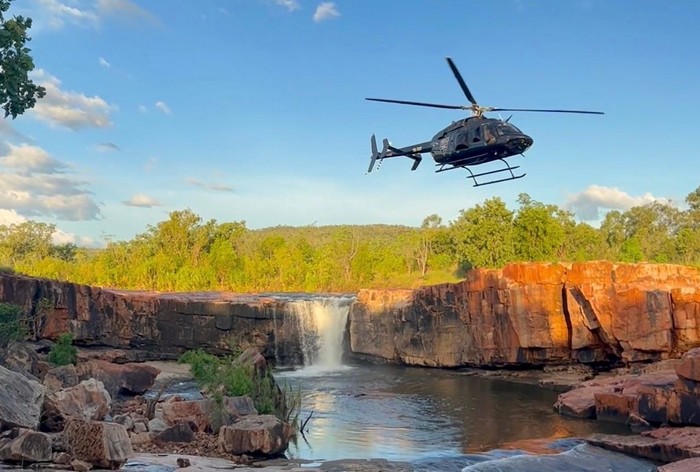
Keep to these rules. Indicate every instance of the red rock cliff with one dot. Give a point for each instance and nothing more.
(534, 314)
(158, 325)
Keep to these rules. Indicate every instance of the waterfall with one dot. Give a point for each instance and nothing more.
(321, 326)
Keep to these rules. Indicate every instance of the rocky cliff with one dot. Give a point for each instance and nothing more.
(151, 325)
(534, 314)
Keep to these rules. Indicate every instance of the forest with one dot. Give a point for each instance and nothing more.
(186, 253)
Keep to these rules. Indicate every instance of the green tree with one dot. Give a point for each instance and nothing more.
(483, 235)
(17, 91)
(539, 230)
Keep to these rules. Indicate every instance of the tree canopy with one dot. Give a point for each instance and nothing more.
(18, 92)
(185, 252)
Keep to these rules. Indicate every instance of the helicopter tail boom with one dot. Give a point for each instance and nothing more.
(412, 152)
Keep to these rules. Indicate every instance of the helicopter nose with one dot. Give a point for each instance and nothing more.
(520, 143)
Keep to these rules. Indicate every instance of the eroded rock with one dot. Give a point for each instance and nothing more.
(27, 446)
(255, 435)
(98, 443)
(663, 444)
(132, 379)
(88, 400)
(20, 400)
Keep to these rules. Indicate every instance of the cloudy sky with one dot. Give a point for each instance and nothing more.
(254, 109)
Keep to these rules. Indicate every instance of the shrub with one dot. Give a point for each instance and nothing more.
(11, 325)
(63, 352)
(227, 377)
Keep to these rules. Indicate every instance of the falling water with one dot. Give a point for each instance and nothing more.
(321, 326)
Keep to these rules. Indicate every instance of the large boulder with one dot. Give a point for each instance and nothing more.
(663, 444)
(202, 413)
(61, 377)
(88, 400)
(27, 446)
(20, 400)
(101, 444)
(131, 379)
(21, 357)
(689, 366)
(255, 435)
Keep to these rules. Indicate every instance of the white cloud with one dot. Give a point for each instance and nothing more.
(210, 186)
(69, 109)
(162, 106)
(143, 108)
(107, 147)
(326, 11)
(10, 217)
(88, 12)
(103, 62)
(58, 13)
(33, 183)
(587, 204)
(224, 11)
(28, 159)
(290, 5)
(141, 200)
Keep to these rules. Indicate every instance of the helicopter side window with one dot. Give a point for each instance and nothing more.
(477, 135)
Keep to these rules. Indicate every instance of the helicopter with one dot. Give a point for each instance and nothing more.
(471, 141)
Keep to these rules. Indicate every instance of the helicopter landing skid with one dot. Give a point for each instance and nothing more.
(473, 176)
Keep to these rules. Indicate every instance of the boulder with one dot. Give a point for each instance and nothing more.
(20, 400)
(689, 366)
(686, 465)
(201, 412)
(180, 433)
(21, 357)
(131, 379)
(61, 377)
(88, 400)
(101, 444)
(663, 444)
(255, 435)
(27, 446)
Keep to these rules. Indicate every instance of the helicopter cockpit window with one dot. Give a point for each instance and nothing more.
(504, 129)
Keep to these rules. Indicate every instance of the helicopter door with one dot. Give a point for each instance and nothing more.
(475, 137)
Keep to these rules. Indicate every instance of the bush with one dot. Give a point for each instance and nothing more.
(11, 325)
(63, 352)
(227, 377)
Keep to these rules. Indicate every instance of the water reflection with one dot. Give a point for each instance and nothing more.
(411, 413)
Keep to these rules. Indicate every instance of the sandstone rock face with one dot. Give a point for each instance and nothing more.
(21, 400)
(28, 446)
(654, 398)
(534, 314)
(157, 325)
(101, 444)
(663, 445)
(88, 400)
(258, 434)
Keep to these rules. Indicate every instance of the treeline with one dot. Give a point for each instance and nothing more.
(186, 253)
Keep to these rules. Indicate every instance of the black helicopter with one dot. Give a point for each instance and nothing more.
(469, 142)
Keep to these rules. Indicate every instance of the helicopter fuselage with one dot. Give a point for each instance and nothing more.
(478, 140)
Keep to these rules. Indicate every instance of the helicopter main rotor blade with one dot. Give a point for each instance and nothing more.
(547, 111)
(422, 104)
(461, 81)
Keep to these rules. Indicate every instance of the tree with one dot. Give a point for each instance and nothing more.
(17, 91)
(483, 235)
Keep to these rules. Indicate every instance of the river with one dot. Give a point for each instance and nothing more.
(442, 419)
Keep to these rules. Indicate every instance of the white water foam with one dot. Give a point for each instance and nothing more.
(321, 325)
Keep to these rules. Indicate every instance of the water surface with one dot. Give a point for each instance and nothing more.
(409, 413)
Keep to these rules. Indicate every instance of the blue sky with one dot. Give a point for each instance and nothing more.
(254, 109)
